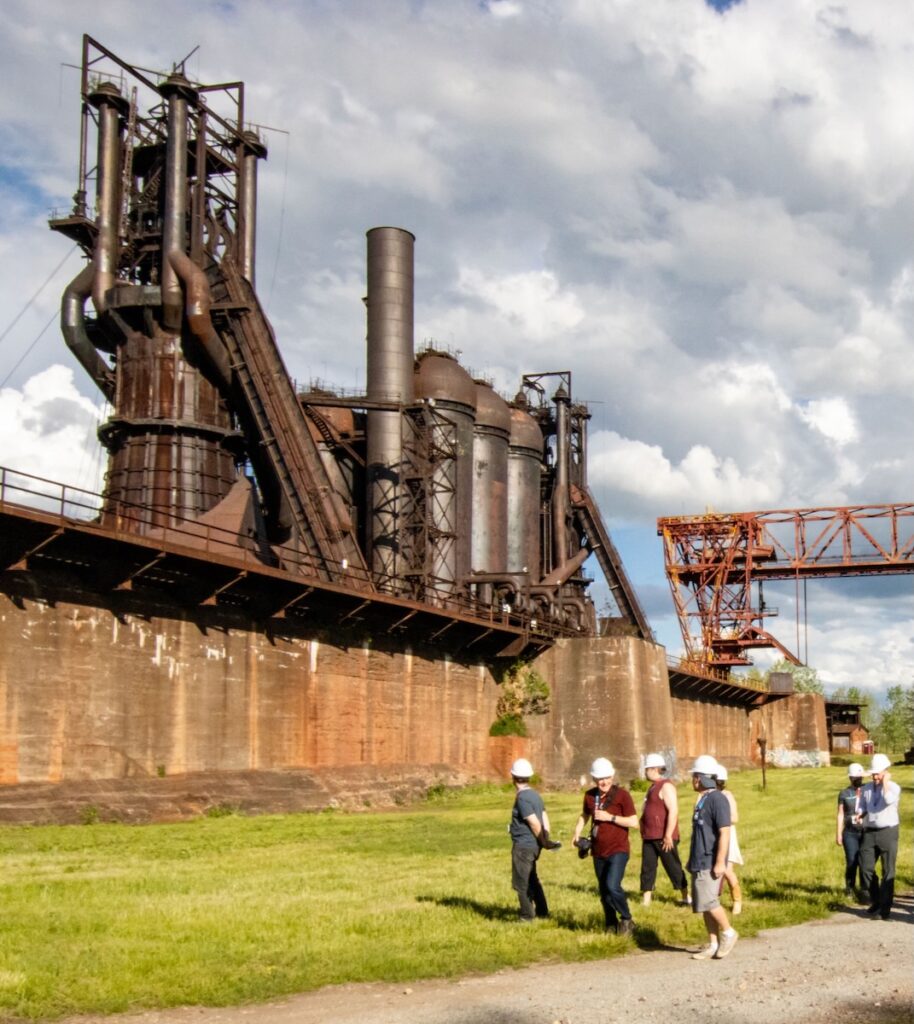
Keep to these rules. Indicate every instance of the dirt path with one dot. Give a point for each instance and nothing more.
(848, 968)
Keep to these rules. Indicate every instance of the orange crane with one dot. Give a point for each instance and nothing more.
(713, 560)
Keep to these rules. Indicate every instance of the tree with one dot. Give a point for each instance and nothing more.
(895, 729)
(805, 679)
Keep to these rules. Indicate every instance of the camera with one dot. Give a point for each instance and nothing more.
(584, 844)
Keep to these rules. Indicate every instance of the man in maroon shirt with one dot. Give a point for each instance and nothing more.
(612, 812)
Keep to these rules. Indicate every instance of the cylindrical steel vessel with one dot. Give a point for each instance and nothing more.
(390, 379)
(170, 437)
(107, 98)
(525, 460)
(489, 534)
(178, 92)
(441, 379)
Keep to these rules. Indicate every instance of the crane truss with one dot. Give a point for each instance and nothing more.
(713, 560)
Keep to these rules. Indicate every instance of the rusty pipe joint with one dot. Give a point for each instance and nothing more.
(73, 329)
(179, 94)
(197, 306)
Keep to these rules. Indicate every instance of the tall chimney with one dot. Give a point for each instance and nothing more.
(390, 379)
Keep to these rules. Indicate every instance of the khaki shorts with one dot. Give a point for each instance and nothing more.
(705, 891)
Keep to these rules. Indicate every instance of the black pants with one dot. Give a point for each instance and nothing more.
(651, 852)
(879, 844)
(526, 883)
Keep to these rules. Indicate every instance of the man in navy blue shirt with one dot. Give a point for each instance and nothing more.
(529, 834)
(848, 834)
(708, 858)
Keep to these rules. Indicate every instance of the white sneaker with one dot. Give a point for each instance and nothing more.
(727, 942)
(645, 899)
(706, 952)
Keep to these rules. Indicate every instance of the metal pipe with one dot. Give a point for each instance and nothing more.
(107, 98)
(198, 303)
(73, 328)
(562, 572)
(560, 494)
(389, 303)
(250, 151)
(178, 91)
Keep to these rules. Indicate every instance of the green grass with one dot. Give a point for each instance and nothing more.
(224, 910)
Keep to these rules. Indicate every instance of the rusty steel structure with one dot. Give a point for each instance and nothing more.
(717, 564)
(428, 492)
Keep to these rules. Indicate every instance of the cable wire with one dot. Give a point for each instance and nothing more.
(41, 288)
(22, 358)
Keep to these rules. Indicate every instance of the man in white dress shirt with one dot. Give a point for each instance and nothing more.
(879, 818)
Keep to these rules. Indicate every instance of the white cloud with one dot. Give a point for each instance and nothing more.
(531, 302)
(640, 473)
(833, 418)
(49, 428)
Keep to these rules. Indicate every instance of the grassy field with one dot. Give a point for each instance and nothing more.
(226, 910)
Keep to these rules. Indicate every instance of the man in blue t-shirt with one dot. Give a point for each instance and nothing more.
(708, 858)
(529, 834)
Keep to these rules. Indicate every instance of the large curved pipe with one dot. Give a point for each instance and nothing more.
(198, 302)
(108, 100)
(73, 329)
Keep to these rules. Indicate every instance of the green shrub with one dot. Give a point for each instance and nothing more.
(508, 725)
(524, 692)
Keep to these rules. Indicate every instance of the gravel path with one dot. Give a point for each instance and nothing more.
(847, 968)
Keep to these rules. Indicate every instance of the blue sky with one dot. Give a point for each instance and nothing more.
(700, 213)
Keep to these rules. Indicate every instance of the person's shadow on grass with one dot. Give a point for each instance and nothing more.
(644, 937)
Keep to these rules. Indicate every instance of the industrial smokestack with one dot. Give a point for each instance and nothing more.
(178, 92)
(110, 104)
(390, 379)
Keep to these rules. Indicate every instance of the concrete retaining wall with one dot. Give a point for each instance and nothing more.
(611, 698)
(85, 694)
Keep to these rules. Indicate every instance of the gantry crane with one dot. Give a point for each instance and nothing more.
(713, 560)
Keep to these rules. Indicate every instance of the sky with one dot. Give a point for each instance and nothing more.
(704, 211)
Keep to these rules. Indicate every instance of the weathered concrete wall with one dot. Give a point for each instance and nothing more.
(795, 730)
(91, 693)
(86, 694)
(611, 698)
(702, 726)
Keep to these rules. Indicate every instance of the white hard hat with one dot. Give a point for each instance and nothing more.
(880, 763)
(705, 765)
(602, 768)
(522, 769)
(654, 761)
(722, 775)
(855, 771)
